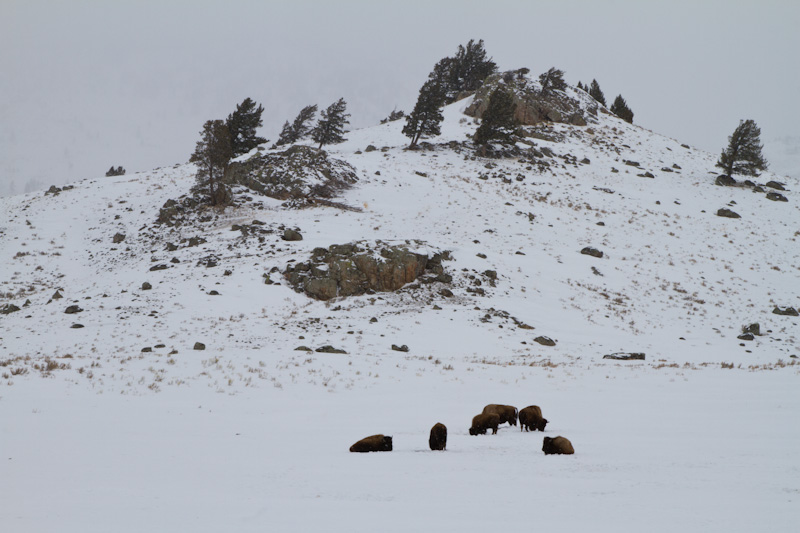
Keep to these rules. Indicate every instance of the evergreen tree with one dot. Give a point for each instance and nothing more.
(497, 122)
(580, 86)
(621, 109)
(212, 155)
(299, 128)
(330, 127)
(242, 125)
(424, 120)
(394, 115)
(552, 80)
(596, 93)
(464, 72)
(119, 171)
(743, 154)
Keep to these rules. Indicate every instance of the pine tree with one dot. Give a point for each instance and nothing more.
(299, 128)
(330, 127)
(596, 93)
(424, 120)
(464, 72)
(552, 80)
(580, 86)
(212, 155)
(743, 154)
(119, 171)
(497, 122)
(394, 115)
(242, 125)
(621, 109)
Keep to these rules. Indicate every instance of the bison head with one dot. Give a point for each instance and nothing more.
(540, 426)
(387, 444)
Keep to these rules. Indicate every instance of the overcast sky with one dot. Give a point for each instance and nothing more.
(87, 84)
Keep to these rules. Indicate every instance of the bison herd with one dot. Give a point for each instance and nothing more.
(530, 419)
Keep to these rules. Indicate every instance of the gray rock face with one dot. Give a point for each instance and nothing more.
(299, 172)
(532, 106)
(351, 269)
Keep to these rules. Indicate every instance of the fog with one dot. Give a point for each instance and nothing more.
(85, 85)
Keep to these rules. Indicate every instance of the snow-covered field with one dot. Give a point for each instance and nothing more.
(252, 435)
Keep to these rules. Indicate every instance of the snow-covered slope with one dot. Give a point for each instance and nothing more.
(675, 281)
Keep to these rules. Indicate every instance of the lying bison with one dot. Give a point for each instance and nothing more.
(507, 413)
(438, 438)
(484, 421)
(530, 419)
(558, 445)
(375, 443)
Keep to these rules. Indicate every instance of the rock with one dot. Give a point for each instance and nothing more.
(213, 293)
(303, 349)
(491, 274)
(118, 238)
(753, 328)
(27, 303)
(776, 185)
(175, 260)
(397, 348)
(291, 235)
(594, 252)
(646, 175)
(8, 309)
(423, 174)
(199, 346)
(329, 349)
(746, 337)
(545, 341)
(447, 293)
(147, 349)
(72, 309)
(786, 311)
(171, 247)
(57, 296)
(631, 163)
(370, 148)
(146, 286)
(76, 326)
(725, 181)
(531, 106)
(195, 241)
(53, 190)
(622, 356)
(776, 197)
(348, 269)
(727, 213)
(157, 346)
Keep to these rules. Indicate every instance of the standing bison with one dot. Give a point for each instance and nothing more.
(557, 445)
(438, 438)
(507, 413)
(375, 443)
(484, 421)
(530, 419)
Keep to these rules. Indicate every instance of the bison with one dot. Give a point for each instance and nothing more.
(438, 438)
(530, 419)
(484, 421)
(507, 413)
(557, 445)
(375, 443)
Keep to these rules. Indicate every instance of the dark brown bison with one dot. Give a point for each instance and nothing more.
(557, 445)
(438, 438)
(375, 443)
(484, 421)
(507, 413)
(531, 419)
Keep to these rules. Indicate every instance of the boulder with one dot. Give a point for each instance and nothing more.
(8, 309)
(545, 341)
(291, 235)
(199, 346)
(776, 185)
(727, 213)
(329, 349)
(118, 238)
(350, 269)
(785, 311)
(776, 197)
(594, 252)
(724, 181)
(72, 309)
(146, 286)
(754, 328)
(622, 356)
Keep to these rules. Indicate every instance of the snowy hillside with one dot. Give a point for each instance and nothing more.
(112, 418)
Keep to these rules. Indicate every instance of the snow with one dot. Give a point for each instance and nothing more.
(251, 434)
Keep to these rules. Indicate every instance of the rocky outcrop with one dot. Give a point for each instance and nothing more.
(534, 107)
(299, 172)
(352, 269)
